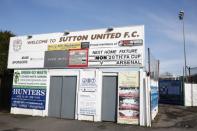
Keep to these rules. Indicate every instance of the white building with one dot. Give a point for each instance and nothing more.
(96, 75)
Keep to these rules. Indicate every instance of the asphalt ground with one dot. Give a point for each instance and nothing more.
(172, 118)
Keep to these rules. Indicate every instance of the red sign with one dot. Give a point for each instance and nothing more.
(78, 58)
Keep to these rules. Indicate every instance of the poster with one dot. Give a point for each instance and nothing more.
(128, 94)
(87, 99)
(29, 89)
(87, 103)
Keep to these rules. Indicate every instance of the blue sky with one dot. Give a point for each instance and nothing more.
(163, 29)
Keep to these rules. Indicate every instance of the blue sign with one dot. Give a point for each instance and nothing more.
(154, 97)
(29, 98)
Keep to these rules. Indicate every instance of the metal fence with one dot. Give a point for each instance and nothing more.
(152, 65)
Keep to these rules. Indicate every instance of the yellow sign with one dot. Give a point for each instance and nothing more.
(129, 79)
(65, 46)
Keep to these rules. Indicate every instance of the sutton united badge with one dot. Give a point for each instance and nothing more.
(17, 44)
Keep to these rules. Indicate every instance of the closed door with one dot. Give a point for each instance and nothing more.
(62, 96)
(68, 97)
(55, 96)
(109, 98)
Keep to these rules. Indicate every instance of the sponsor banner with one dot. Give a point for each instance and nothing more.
(28, 98)
(56, 59)
(29, 89)
(154, 100)
(125, 56)
(78, 58)
(128, 94)
(65, 46)
(124, 37)
(87, 93)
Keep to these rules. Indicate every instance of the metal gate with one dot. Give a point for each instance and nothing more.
(170, 92)
(109, 98)
(62, 96)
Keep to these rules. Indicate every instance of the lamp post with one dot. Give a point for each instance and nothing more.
(181, 17)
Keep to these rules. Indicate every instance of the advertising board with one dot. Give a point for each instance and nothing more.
(128, 95)
(78, 58)
(29, 89)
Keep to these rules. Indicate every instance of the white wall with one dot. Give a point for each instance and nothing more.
(145, 112)
(145, 115)
(190, 94)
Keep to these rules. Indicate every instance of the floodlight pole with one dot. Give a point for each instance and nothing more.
(181, 17)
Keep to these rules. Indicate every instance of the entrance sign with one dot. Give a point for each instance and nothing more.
(118, 48)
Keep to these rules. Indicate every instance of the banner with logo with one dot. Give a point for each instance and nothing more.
(128, 93)
(87, 93)
(29, 89)
(120, 47)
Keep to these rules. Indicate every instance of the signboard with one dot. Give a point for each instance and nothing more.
(78, 58)
(88, 82)
(120, 47)
(154, 98)
(87, 103)
(115, 57)
(29, 89)
(56, 59)
(128, 93)
(87, 93)
(27, 59)
(66, 46)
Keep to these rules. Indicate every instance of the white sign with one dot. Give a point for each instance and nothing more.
(30, 78)
(24, 60)
(93, 40)
(87, 93)
(88, 82)
(87, 103)
(124, 56)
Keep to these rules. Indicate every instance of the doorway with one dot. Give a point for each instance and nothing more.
(109, 98)
(62, 96)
